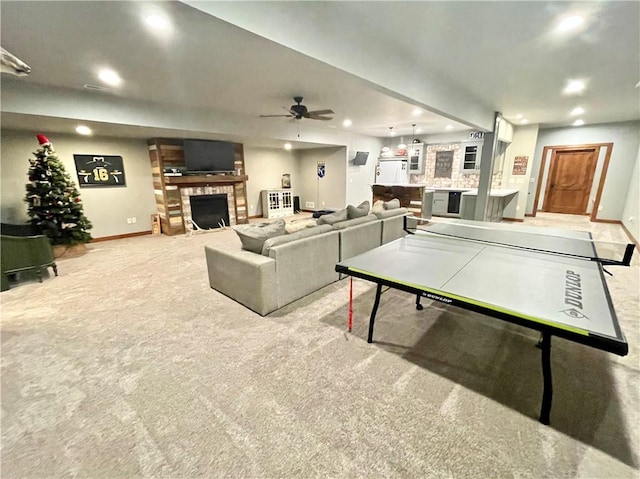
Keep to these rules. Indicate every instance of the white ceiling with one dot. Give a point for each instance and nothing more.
(371, 62)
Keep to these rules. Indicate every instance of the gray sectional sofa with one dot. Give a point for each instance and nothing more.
(291, 266)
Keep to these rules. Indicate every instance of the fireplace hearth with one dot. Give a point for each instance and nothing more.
(209, 211)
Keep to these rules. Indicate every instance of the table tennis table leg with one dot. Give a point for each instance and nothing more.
(372, 319)
(547, 394)
(418, 305)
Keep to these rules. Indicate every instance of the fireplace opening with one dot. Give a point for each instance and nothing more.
(209, 211)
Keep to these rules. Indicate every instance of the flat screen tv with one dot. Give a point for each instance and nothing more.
(208, 156)
(361, 158)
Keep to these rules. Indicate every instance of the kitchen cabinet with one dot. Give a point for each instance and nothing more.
(440, 203)
(416, 153)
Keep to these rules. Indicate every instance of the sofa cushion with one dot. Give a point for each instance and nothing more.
(389, 213)
(355, 221)
(333, 217)
(298, 225)
(392, 204)
(305, 233)
(254, 235)
(358, 211)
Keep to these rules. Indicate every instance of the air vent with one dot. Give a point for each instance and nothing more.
(98, 88)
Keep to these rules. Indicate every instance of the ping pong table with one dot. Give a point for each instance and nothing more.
(549, 280)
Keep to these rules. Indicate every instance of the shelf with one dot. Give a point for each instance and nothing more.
(206, 179)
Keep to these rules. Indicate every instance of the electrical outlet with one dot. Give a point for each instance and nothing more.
(323, 203)
(134, 220)
(309, 204)
(599, 208)
(129, 220)
(251, 207)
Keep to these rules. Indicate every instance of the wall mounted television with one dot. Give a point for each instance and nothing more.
(361, 158)
(209, 156)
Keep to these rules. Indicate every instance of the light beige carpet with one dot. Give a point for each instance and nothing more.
(129, 365)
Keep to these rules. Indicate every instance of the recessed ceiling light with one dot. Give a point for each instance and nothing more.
(83, 130)
(110, 77)
(577, 111)
(157, 21)
(346, 123)
(578, 122)
(570, 23)
(448, 127)
(287, 146)
(524, 121)
(573, 87)
(519, 116)
(417, 112)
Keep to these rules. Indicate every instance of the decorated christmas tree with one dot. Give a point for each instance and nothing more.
(54, 204)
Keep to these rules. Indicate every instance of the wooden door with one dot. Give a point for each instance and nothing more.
(570, 179)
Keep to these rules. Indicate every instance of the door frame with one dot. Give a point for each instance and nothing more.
(603, 173)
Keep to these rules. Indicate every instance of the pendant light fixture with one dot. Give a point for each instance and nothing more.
(413, 139)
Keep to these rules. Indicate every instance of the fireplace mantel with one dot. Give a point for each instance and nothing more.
(204, 180)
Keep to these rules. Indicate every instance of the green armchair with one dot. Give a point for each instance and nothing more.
(22, 248)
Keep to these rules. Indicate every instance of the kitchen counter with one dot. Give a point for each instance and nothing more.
(498, 201)
(496, 193)
(417, 198)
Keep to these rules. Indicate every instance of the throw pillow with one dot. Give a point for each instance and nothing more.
(298, 225)
(358, 211)
(333, 217)
(392, 204)
(253, 236)
(377, 207)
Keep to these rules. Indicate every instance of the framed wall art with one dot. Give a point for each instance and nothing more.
(100, 170)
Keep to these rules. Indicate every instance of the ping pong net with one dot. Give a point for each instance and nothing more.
(577, 244)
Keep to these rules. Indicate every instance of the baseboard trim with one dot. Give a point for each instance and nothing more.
(115, 237)
(519, 220)
(630, 236)
(618, 222)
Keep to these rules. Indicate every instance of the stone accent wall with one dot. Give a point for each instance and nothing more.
(458, 178)
(185, 193)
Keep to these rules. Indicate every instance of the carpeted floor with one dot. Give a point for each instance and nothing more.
(129, 365)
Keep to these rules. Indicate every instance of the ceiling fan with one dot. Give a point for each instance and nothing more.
(300, 111)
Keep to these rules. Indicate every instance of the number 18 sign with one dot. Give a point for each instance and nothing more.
(104, 170)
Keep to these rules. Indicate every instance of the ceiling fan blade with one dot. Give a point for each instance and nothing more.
(275, 116)
(320, 112)
(316, 117)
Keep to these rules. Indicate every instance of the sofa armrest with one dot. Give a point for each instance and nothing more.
(393, 225)
(246, 277)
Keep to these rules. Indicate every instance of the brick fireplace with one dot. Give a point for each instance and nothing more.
(187, 193)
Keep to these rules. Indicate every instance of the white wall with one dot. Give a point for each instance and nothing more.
(329, 191)
(106, 207)
(625, 137)
(523, 144)
(360, 178)
(265, 167)
(631, 213)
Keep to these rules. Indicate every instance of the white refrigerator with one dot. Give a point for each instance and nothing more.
(392, 171)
